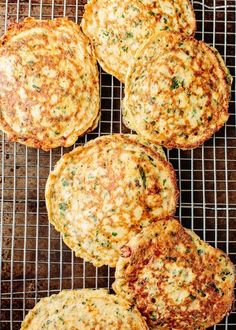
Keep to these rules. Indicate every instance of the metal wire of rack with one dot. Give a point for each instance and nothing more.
(34, 262)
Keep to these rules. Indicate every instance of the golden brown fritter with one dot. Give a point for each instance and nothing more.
(102, 194)
(176, 280)
(49, 89)
(177, 91)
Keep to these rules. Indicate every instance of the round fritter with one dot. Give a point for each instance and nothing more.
(102, 194)
(49, 88)
(176, 280)
(177, 91)
(117, 28)
(81, 310)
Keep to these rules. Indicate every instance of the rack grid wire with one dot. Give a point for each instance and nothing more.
(34, 262)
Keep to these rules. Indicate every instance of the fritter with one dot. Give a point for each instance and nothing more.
(103, 193)
(49, 88)
(176, 280)
(177, 91)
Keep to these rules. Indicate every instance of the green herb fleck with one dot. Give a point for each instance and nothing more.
(36, 87)
(62, 206)
(165, 20)
(129, 34)
(134, 8)
(153, 317)
(125, 49)
(209, 118)
(105, 244)
(176, 83)
(152, 161)
(137, 23)
(225, 273)
(143, 176)
(171, 258)
(153, 100)
(61, 319)
(65, 183)
(229, 79)
(114, 234)
(200, 251)
(192, 297)
(95, 219)
(105, 33)
(150, 12)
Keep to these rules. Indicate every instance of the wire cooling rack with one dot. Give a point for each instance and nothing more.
(34, 262)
